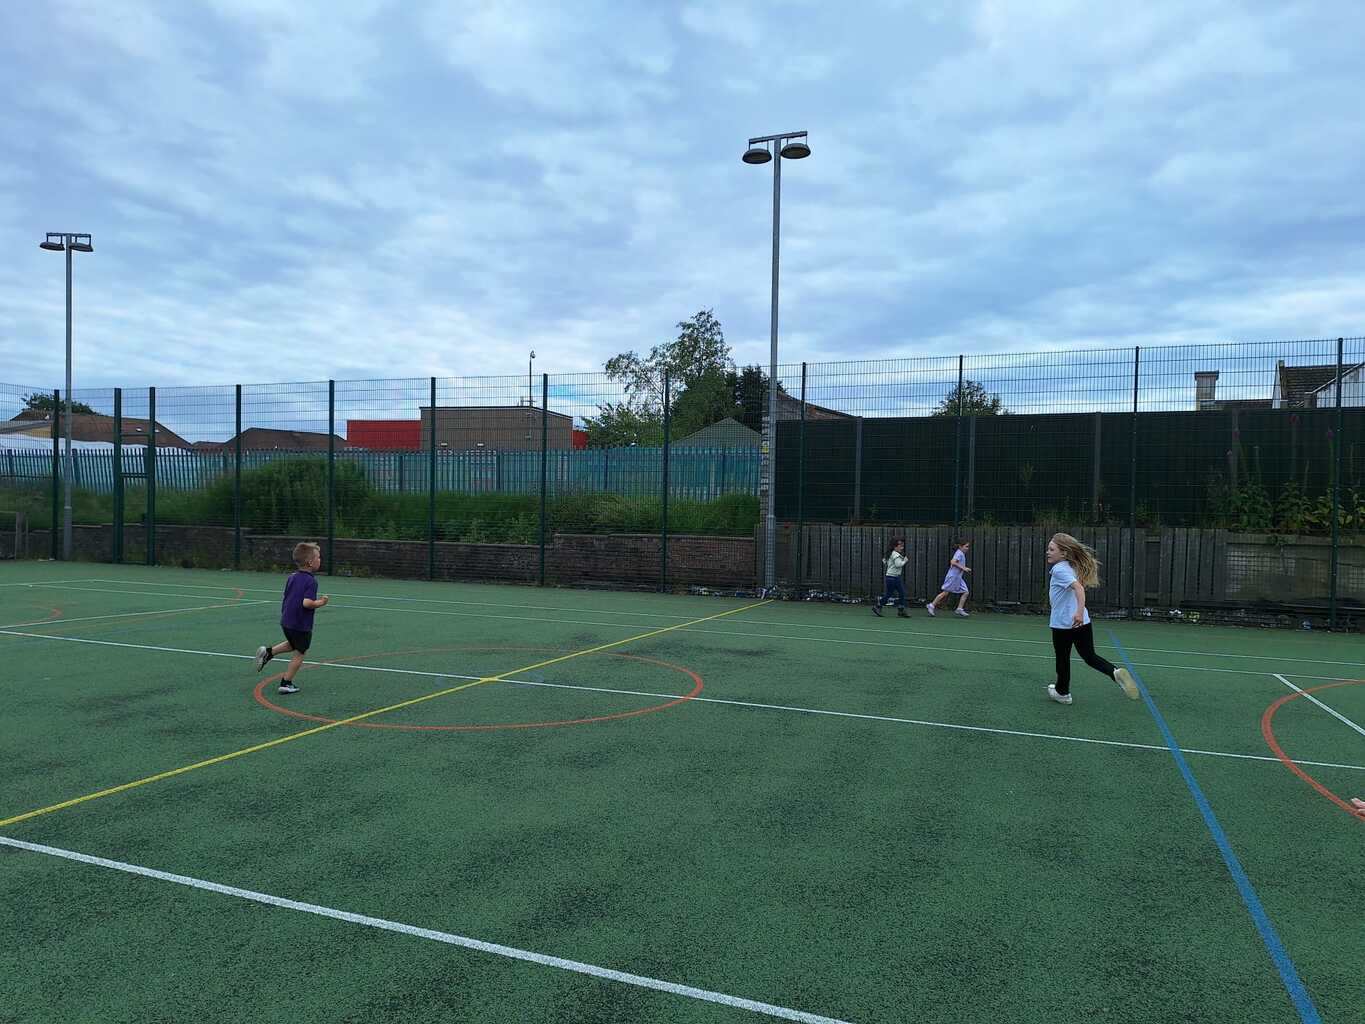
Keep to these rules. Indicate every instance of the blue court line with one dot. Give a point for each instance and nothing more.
(1303, 1002)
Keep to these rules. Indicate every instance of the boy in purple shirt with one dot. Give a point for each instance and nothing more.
(296, 614)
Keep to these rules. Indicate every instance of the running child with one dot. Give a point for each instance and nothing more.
(954, 582)
(296, 614)
(894, 565)
(1073, 568)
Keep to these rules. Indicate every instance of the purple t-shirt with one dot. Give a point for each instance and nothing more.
(293, 615)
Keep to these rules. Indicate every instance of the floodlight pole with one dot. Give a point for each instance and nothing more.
(779, 143)
(69, 242)
(67, 468)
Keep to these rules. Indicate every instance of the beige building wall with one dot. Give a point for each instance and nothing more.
(495, 428)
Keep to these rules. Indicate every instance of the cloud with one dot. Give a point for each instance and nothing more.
(380, 189)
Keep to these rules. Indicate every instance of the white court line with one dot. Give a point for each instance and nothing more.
(124, 615)
(1160, 748)
(760, 636)
(146, 593)
(54, 583)
(674, 696)
(510, 952)
(1309, 696)
(938, 648)
(406, 600)
(1297, 659)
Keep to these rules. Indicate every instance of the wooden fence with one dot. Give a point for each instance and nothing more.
(1164, 568)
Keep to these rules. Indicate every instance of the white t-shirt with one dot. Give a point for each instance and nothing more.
(1060, 578)
(894, 562)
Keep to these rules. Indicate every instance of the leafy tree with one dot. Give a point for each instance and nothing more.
(704, 386)
(975, 399)
(620, 424)
(698, 350)
(750, 386)
(45, 403)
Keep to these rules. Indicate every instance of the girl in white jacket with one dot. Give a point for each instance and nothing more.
(894, 564)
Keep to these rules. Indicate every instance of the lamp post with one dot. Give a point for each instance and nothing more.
(788, 146)
(64, 241)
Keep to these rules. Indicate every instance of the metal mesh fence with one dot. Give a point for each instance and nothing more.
(1226, 475)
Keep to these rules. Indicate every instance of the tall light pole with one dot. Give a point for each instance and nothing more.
(789, 146)
(64, 241)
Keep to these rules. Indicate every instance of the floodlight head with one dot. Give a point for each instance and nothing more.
(82, 247)
(796, 149)
(52, 246)
(757, 155)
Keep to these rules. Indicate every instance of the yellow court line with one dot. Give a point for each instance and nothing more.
(367, 714)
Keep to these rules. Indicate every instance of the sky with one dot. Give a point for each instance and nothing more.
(358, 189)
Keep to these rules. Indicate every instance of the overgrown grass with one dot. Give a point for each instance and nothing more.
(290, 497)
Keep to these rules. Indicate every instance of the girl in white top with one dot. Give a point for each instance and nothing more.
(1073, 567)
(894, 589)
(954, 582)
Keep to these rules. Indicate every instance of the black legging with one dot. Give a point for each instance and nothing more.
(1083, 639)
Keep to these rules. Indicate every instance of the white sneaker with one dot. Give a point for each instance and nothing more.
(1060, 698)
(262, 656)
(1125, 679)
(930, 609)
(960, 611)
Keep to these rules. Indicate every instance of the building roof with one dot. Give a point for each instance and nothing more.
(789, 408)
(447, 411)
(268, 438)
(726, 433)
(97, 427)
(1298, 382)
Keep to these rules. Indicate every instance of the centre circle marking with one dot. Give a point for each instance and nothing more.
(266, 702)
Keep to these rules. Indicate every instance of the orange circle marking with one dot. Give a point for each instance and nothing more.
(1269, 733)
(264, 701)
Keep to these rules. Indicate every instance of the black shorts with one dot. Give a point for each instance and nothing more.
(298, 639)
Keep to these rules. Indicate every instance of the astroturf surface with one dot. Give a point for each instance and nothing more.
(831, 816)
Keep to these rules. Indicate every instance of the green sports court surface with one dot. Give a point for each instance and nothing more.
(507, 804)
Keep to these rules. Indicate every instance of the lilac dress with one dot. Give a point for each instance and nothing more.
(954, 582)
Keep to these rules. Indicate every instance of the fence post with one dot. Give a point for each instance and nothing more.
(1098, 454)
(151, 476)
(1337, 449)
(957, 452)
(663, 522)
(971, 466)
(1132, 489)
(431, 488)
(331, 476)
(544, 462)
(117, 546)
(56, 469)
(237, 486)
(857, 473)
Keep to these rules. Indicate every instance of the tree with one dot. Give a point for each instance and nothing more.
(45, 403)
(621, 424)
(704, 388)
(750, 386)
(975, 399)
(698, 350)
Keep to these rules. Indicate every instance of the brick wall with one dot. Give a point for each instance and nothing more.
(622, 560)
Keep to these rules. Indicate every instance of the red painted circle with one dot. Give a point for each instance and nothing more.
(1268, 732)
(264, 701)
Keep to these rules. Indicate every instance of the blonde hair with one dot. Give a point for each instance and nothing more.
(1082, 558)
(303, 550)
